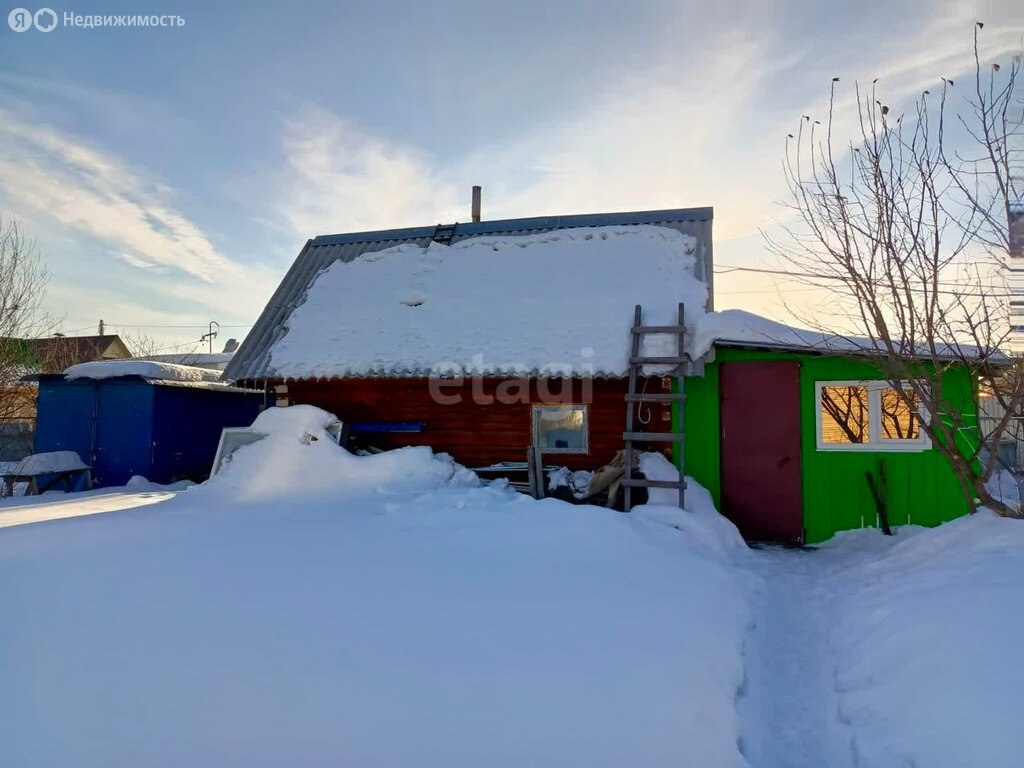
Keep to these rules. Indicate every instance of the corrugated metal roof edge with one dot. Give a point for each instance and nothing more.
(244, 356)
(213, 386)
(466, 375)
(819, 351)
(470, 229)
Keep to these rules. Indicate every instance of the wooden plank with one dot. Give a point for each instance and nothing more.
(655, 397)
(657, 329)
(681, 382)
(531, 472)
(538, 472)
(368, 427)
(664, 360)
(643, 482)
(651, 437)
(630, 406)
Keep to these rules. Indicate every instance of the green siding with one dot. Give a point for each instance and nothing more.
(922, 488)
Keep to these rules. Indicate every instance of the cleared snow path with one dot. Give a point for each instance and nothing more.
(789, 708)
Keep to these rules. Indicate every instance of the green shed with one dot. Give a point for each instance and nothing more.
(785, 438)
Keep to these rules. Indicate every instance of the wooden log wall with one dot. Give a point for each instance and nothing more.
(482, 421)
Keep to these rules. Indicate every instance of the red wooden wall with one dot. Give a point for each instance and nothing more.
(478, 429)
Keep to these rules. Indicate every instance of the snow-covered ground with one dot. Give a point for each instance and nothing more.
(890, 652)
(308, 607)
(399, 614)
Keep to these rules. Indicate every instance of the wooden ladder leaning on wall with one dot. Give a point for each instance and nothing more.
(630, 436)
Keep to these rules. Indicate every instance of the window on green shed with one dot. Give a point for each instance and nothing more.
(868, 415)
(844, 415)
(899, 414)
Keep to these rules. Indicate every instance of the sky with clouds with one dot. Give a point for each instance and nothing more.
(170, 175)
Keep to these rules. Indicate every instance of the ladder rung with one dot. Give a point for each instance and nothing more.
(658, 360)
(643, 482)
(655, 397)
(659, 329)
(643, 437)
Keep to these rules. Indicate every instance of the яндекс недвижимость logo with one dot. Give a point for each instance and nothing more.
(46, 20)
(22, 19)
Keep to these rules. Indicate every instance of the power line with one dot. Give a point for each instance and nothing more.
(768, 290)
(76, 330)
(811, 276)
(177, 346)
(155, 325)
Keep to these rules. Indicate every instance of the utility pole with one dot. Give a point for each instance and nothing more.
(211, 334)
(102, 327)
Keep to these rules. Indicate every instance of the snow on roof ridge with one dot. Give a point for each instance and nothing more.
(558, 302)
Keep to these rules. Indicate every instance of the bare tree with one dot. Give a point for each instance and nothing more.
(22, 285)
(909, 228)
(142, 345)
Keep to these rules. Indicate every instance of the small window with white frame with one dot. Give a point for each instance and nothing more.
(561, 428)
(868, 416)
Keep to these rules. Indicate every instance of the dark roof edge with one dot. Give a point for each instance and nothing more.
(534, 222)
(816, 351)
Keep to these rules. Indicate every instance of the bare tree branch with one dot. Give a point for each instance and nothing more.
(909, 236)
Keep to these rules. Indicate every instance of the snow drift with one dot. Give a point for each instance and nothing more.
(928, 666)
(298, 458)
(393, 616)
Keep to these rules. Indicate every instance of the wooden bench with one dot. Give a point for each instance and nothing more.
(59, 466)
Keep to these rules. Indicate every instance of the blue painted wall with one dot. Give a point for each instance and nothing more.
(129, 426)
(124, 430)
(187, 423)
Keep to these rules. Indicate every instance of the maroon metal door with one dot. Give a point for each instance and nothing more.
(761, 478)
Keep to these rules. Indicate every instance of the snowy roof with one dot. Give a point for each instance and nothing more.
(147, 369)
(734, 327)
(563, 302)
(559, 302)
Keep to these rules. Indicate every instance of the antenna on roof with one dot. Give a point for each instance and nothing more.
(476, 202)
(211, 335)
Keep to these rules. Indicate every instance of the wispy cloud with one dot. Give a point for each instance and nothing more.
(96, 193)
(656, 138)
(704, 122)
(338, 178)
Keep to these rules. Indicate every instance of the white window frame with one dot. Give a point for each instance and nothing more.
(876, 443)
(535, 410)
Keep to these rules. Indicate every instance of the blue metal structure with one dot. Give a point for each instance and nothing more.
(124, 426)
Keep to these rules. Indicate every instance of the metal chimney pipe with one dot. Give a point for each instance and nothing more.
(476, 203)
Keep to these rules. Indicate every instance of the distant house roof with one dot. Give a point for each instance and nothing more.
(55, 353)
(254, 359)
